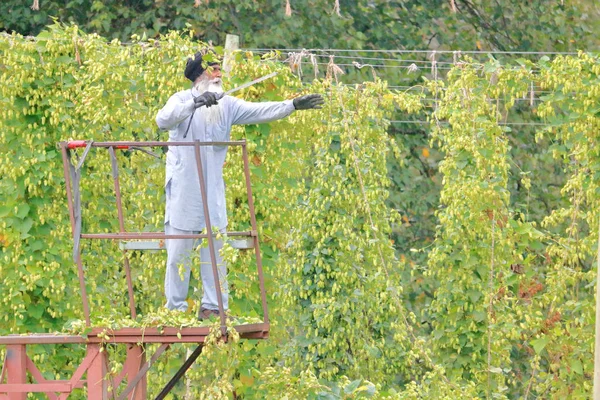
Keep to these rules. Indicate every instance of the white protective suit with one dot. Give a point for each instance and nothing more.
(184, 209)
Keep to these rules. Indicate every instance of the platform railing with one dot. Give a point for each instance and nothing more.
(72, 178)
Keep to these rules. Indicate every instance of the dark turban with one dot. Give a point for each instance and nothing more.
(194, 67)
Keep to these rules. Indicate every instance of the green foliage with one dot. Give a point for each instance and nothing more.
(479, 237)
(500, 304)
(496, 315)
(341, 260)
(381, 24)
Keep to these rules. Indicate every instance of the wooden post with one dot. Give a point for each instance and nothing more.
(97, 384)
(597, 342)
(16, 369)
(232, 43)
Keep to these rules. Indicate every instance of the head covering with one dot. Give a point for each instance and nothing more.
(194, 67)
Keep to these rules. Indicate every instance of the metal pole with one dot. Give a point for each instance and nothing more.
(211, 245)
(153, 235)
(597, 342)
(142, 372)
(84, 298)
(136, 358)
(115, 173)
(97, 385)
(261, 278)
(125, 145)
(186, 365)
(16, 365)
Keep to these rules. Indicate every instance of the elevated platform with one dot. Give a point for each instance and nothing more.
(167, 335)
(18, 365)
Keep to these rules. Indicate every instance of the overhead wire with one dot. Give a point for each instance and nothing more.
(422, 122)
(377, 66)
(404, 51)
(436, 64)
(386, 51)
(381, 59)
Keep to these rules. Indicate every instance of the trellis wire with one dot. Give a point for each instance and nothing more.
(403, 51)
(385, 51)
(419, 122)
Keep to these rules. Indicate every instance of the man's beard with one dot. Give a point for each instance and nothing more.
(212, 114)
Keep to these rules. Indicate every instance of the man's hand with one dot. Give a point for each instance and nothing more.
(207, 99)
(309, 102)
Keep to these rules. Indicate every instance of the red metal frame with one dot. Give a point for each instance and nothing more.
(17, 364)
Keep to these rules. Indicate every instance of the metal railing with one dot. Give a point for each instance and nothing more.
(72, 177)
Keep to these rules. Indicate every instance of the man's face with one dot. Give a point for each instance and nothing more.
(210, 80)
(212, 74)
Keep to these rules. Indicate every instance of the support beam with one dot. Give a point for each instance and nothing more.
(142, 372)
(186, 365)
(597, 341)
(3, 373)
(37, 375)
(16, 369)
(96, 383)
(136, 358)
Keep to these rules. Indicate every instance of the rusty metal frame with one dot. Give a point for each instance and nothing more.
(142, 372)
(124, 235)
(17, 364)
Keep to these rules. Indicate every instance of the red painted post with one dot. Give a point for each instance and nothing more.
(136, 357)
(16, 368)
(97, 384)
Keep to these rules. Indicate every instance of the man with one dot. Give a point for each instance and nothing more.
(203, 113)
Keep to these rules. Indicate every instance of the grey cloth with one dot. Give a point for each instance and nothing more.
(180, 252)
(184, 207)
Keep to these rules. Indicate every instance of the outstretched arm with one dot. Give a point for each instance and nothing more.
(245, 112)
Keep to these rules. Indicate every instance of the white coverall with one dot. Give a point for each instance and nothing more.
(184, 211)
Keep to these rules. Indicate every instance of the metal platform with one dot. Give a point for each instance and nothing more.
(135, 335)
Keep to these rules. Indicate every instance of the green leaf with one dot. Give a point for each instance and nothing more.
(540, 344)
(25, 227)
(352, 386)
(36, 310)
(4, 210)
(576, 366)
(479, 315)
(474, 295)
(23, 210)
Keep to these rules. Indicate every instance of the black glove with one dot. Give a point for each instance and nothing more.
(309, 102)
(207, 99)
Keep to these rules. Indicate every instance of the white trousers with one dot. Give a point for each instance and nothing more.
(180, 252)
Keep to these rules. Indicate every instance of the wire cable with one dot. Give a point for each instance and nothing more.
(421, 122)
(403, 51)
